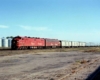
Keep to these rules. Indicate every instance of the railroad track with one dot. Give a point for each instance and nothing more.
(19, 49)
(5, 52)
(8, 49)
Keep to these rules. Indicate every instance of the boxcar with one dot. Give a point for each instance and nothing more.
(82, 44)
(73, 44)
(77, 44)
(65, 43)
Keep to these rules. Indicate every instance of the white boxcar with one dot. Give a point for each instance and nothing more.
(0, 42)
(70, 43)
(78, 43)
(82, 44)
(65, 43)
(5, 43)
(74, 44)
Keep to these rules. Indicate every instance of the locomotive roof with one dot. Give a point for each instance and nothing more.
(34, 37)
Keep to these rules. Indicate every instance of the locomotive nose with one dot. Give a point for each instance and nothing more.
(14, 44)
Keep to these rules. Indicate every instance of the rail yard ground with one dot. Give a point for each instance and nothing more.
(49, 64)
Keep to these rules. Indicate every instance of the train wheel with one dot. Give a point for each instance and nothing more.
(25, 47)
(20, 48)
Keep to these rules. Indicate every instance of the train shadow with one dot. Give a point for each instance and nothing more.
(94, 75)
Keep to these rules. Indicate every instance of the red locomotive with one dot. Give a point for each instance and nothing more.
(33, 42)
(52, 43)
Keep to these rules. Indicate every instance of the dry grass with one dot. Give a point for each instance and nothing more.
(92, 49)
(82, 49)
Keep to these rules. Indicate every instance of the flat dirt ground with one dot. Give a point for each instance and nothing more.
(71, 65)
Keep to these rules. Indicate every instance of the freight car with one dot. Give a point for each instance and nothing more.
(66, 44)
(19, 42)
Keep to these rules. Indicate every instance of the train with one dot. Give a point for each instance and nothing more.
(20, 43)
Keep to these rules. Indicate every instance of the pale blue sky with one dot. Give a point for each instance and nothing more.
(76, 20)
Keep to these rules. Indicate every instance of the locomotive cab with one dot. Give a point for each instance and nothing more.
(15, 42)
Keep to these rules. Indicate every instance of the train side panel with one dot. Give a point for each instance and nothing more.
(65, 43)
(52, 43)
(27, 42)
(40, 43)
(73, 43)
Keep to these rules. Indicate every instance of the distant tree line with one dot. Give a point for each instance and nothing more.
(10, 37)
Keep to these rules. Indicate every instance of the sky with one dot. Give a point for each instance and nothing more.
(75, 20)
